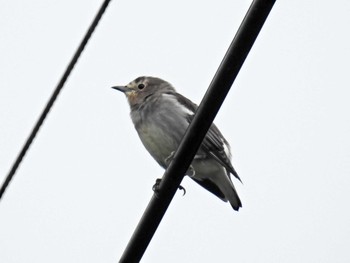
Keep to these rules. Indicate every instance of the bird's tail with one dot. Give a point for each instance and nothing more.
(227, 188)
(218, 182)
(232, 196)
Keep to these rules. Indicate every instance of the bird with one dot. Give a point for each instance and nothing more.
(161, 116)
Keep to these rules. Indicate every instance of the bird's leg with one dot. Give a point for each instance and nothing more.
(190, 172)
(167, 161)
(156, 187)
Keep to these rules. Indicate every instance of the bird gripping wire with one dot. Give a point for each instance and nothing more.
(207, 110)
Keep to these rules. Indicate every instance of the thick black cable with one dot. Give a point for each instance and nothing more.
(207, 110)
(53, 97)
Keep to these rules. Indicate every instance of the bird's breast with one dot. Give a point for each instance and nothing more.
(160, 131)
(158, 140)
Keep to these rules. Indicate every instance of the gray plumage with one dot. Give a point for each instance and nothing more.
(161, 117)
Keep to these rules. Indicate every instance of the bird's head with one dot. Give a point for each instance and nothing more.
(138, 90)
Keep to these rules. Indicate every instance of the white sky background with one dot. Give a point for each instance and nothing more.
(87, 179)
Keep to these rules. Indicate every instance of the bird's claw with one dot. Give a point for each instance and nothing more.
(183, 189)
(169, 158)
(156, 187)
(191, 172)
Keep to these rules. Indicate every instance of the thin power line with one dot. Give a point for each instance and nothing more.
(53, 97)
(207, 110)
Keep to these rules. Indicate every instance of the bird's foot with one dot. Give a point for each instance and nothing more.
(191, 172)
(169, 158)
(156, 187)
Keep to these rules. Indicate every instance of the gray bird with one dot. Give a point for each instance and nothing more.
(161, 117)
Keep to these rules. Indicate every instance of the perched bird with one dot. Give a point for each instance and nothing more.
(161, 117)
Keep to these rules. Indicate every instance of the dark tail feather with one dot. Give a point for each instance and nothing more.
(234, 200)
(231, 194)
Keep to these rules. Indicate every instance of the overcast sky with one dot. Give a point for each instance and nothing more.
(87, 179)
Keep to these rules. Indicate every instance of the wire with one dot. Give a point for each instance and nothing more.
(206, 112)
(53, 97)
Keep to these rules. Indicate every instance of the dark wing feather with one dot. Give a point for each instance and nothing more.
(213, 143)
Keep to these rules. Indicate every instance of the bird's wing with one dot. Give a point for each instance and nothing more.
(218, 148)
(214, 143)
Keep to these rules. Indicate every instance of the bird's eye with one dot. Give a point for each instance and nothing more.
(141, 86)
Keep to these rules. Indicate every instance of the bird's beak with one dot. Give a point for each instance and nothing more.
(121, 88)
